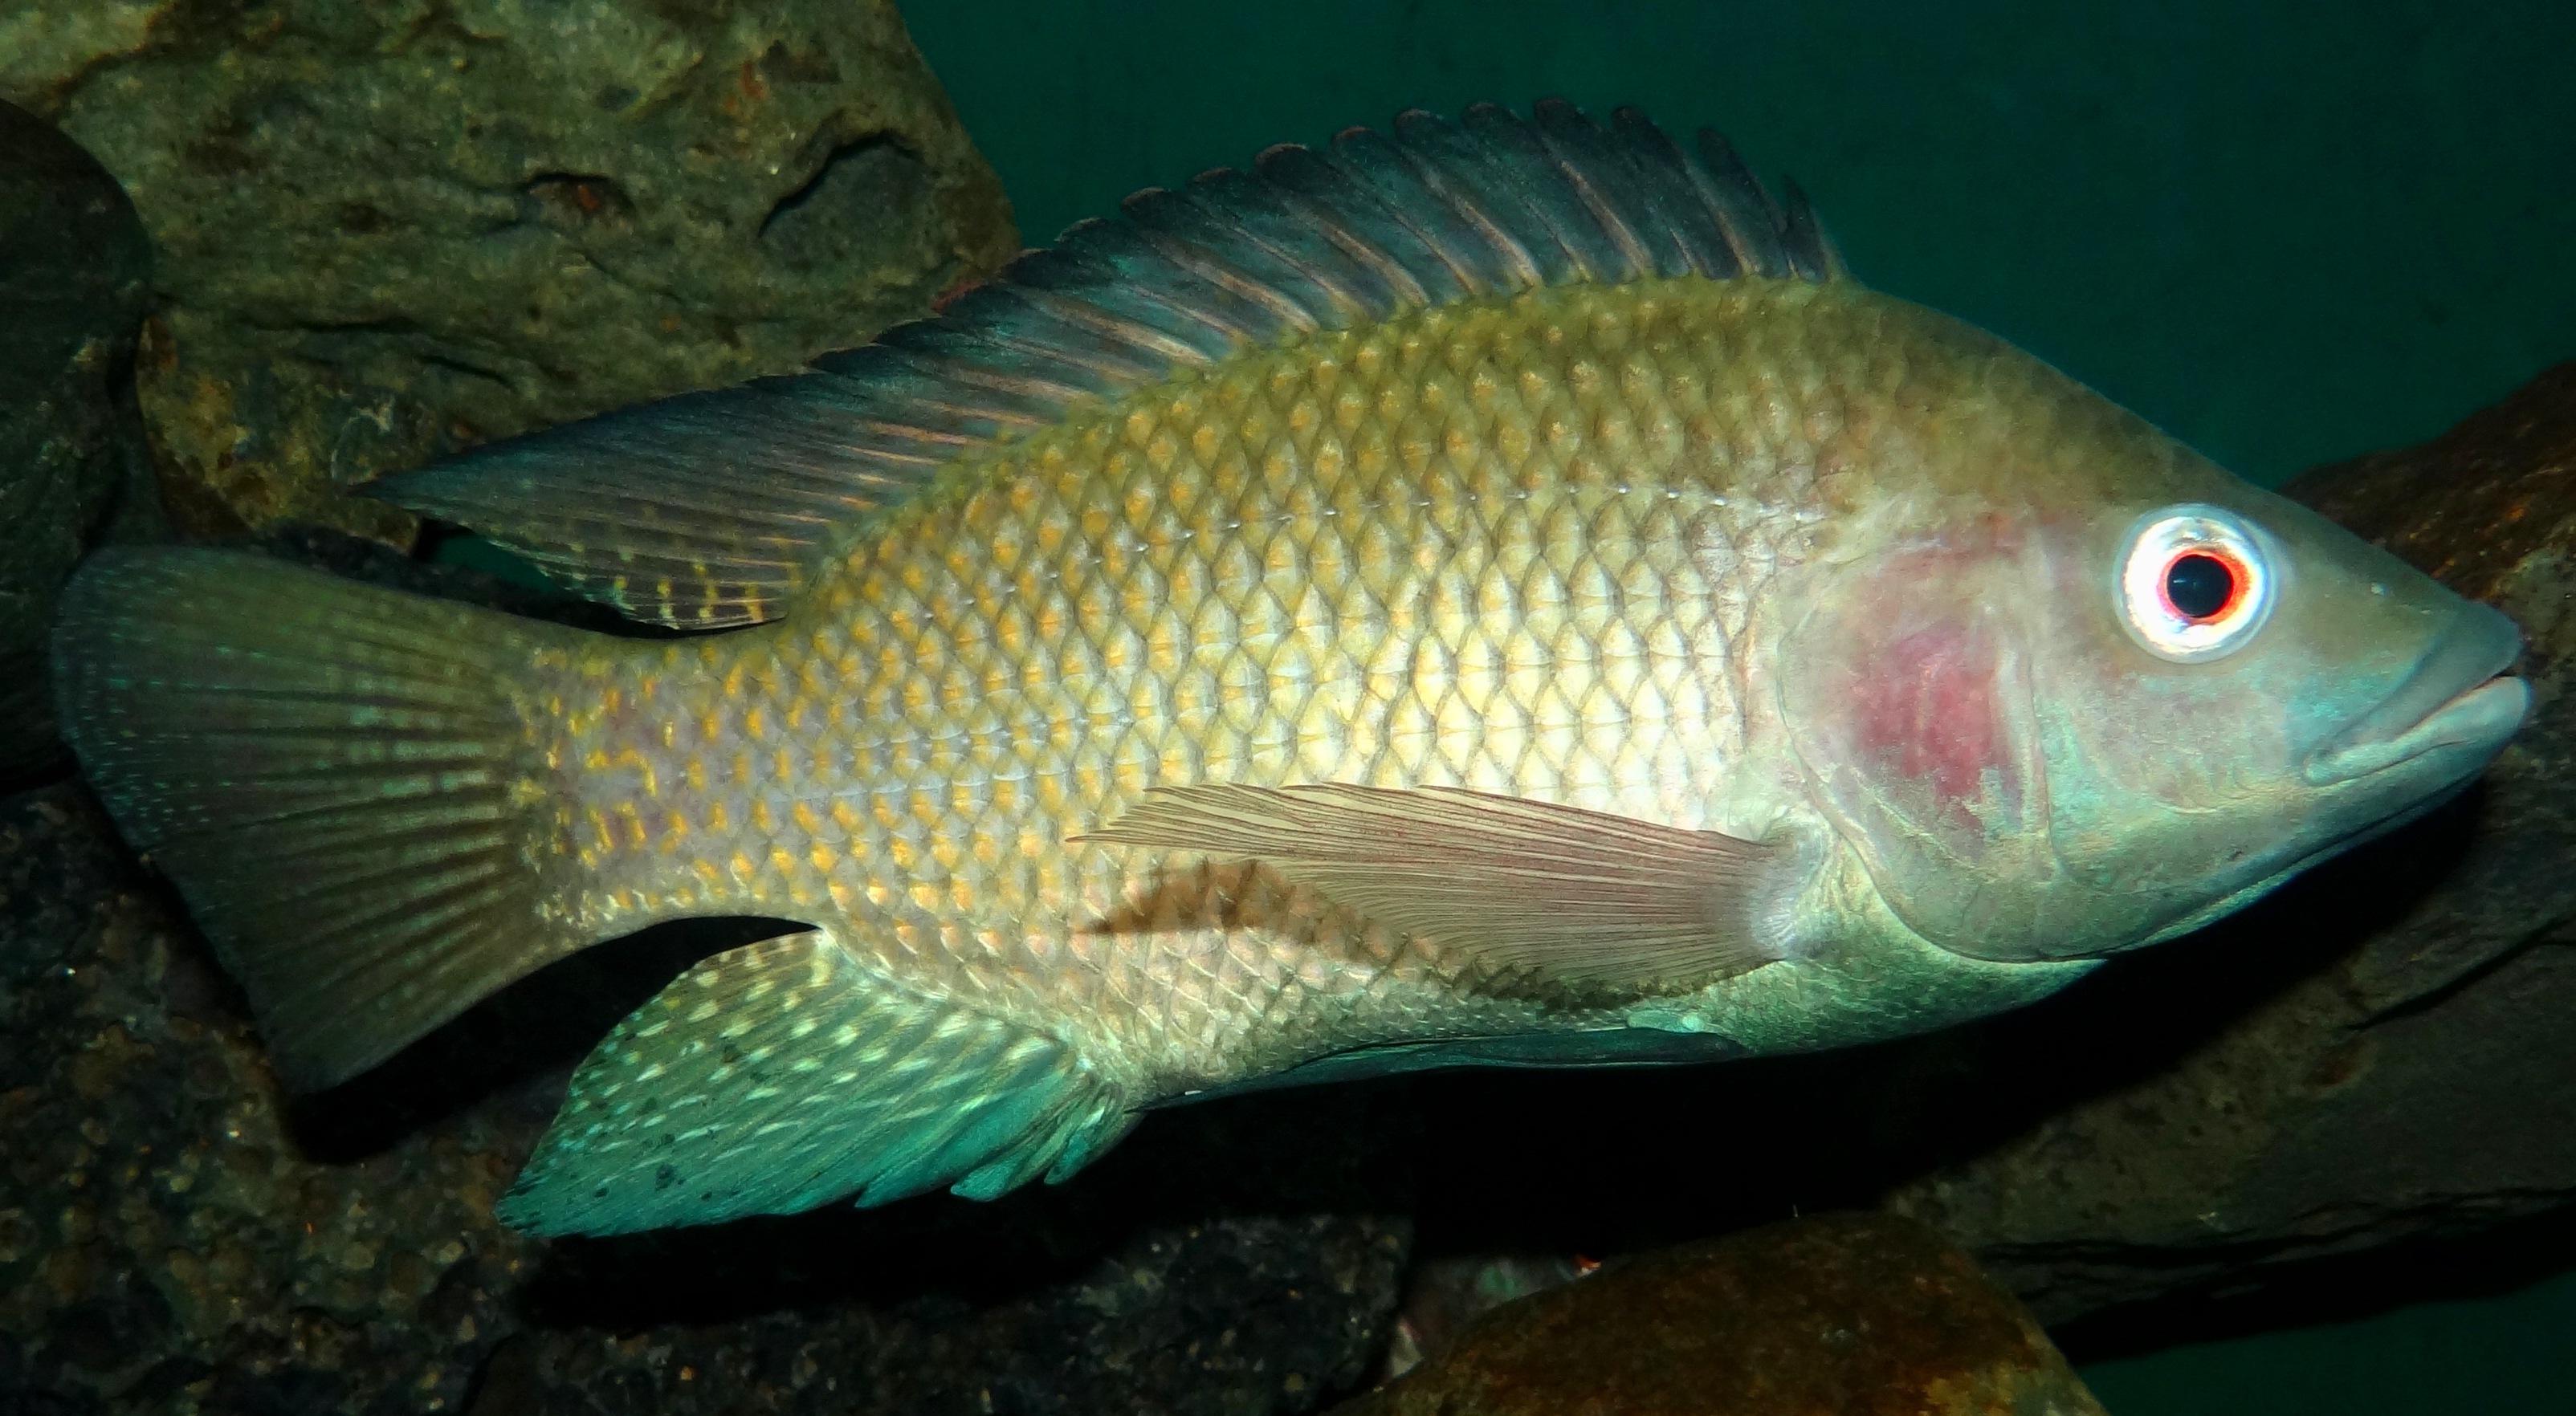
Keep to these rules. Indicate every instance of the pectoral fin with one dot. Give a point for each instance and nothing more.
(1531, 893)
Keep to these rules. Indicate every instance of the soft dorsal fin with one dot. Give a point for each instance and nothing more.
(715, 509)
(1531, 895)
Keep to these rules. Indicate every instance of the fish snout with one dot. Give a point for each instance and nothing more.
(2457, 696)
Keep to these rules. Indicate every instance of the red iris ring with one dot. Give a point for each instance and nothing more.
(2236, 581)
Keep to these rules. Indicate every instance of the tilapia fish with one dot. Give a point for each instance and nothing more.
(1495, 592)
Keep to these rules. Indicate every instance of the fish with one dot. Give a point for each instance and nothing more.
(1487, 592)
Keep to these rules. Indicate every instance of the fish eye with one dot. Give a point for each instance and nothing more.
(2195, 583)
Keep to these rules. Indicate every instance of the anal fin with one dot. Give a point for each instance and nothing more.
(784, 1075)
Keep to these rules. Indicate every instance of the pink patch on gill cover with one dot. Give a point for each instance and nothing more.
(1927, 711)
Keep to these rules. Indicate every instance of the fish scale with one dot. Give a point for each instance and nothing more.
(1404, 594)
(1494, 594)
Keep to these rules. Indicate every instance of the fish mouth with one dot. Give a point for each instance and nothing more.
(2459, 696)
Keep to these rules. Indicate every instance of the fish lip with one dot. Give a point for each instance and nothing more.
(2458, 695)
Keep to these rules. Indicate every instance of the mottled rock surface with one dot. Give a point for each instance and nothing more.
(387, 230)
(1847, 1315)
(2382, 1052)
(176, 1236)
(73, 263)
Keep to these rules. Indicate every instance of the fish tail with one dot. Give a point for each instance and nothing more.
(348, 784)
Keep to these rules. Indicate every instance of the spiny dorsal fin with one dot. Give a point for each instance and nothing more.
(715, 509)
(1532, 894)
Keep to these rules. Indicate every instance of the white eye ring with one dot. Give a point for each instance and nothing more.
(2215, 562)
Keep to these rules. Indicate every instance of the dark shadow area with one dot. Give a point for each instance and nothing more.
(522, 1041)
(2346, 1288)
(838, 213)
(53, 765)
(424, 572)
(1265, 1155)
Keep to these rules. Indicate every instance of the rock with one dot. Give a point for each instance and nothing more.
(177, 1235)
(73, 268)
(1443, 1295)
(1847, 1315)
(389, 230)
(2378, 1053)
(159, 1227)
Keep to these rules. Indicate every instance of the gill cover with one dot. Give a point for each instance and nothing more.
(1910, 699)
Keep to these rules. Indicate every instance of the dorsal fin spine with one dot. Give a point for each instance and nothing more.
(1134, 333)
(1681, 211)
(1456, 171)
(1540, 179)
(1579, 148)
(1294, 170)
(1374, 165)
(734, 498)
(1164, 215)
(1245, 211)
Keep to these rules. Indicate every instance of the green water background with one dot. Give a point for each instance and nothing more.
(2288, 233)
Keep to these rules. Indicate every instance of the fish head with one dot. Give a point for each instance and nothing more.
(2060, 716)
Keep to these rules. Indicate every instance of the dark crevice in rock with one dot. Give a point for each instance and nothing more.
(788, 206)
(2252, 1290)
(835, 212)
(518, 1044)
(2430, 999)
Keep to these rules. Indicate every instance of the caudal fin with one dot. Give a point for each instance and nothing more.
(348, 785)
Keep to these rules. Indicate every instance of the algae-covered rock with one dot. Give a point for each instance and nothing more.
(1846, 1315)
(73, 263)
(2381, 1052)
(387, 230)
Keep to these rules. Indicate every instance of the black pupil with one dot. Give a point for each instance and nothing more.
(2199, 586)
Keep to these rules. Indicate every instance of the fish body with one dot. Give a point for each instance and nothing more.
(1295, 635)
(1545, 547)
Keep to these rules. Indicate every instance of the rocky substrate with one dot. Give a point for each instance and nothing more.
(387, 230)
(73, 263)
(1845, 1315)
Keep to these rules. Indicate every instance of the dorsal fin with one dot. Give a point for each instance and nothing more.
(715, 509)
